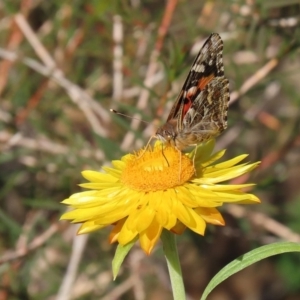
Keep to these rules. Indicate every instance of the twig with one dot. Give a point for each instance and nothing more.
(261, 220)
(5, 116)
(152, 67)
(14, 39)
(43, 144)
(36, 243)
(35, 43)
(262, 72)
(32, 102)
(254, 79)
(136, 90)
(121, 289)
(134, 261)
(29, 222)
(233, 133)
(81, 98)
(79, 243)
(118, 56)
(272, 157)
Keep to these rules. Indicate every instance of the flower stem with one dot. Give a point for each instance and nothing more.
(171, 254)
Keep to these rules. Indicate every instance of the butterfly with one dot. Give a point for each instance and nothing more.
(200, 111)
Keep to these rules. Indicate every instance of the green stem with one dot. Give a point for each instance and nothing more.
(171, 254)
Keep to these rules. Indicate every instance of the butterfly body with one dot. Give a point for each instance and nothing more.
(200, 111)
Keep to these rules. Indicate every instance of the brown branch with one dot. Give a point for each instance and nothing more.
(67, 284)
(254, 79)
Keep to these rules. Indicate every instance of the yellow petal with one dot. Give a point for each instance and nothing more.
(210, 215)
(150, 236)
(213, 158)
(186, 197)
(196, 223)
(113, 172)
(98, 177)
(112, 216)
(226, 187)
(95, 198)
(126, 235)
(226, 164)
(252, 199)
(167, 205)
(204, 197)
(114, 234)
(226, 174)
(179, 228)
(236, 196)
(145, 218)
(89, 226)
(181, 212)
(118, 164)
(100, 186)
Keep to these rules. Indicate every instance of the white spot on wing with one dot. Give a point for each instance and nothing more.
(191, 91)
(198, 68)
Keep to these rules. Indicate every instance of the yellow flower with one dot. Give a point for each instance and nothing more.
(158, 188)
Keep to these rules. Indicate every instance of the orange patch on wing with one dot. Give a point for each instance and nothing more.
(204, 81)
(186, 106)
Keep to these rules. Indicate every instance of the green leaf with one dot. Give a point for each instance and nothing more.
(120, 255)
(248, 259)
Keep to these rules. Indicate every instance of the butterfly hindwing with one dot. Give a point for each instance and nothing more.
(209, 109)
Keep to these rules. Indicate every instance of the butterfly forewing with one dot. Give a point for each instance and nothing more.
(200, 111)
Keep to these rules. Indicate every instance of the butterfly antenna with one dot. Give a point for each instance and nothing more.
(120, 114)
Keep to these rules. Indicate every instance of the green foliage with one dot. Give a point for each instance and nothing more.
(247, 260)
(120, 255)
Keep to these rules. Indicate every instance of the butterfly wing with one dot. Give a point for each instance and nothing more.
(207, 115)
(207, 66)
(200, 111)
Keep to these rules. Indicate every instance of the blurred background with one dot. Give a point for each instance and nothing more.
(64, 64)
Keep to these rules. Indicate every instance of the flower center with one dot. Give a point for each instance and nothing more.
(157, 169)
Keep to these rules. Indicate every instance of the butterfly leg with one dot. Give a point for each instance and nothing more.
(162, 151)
